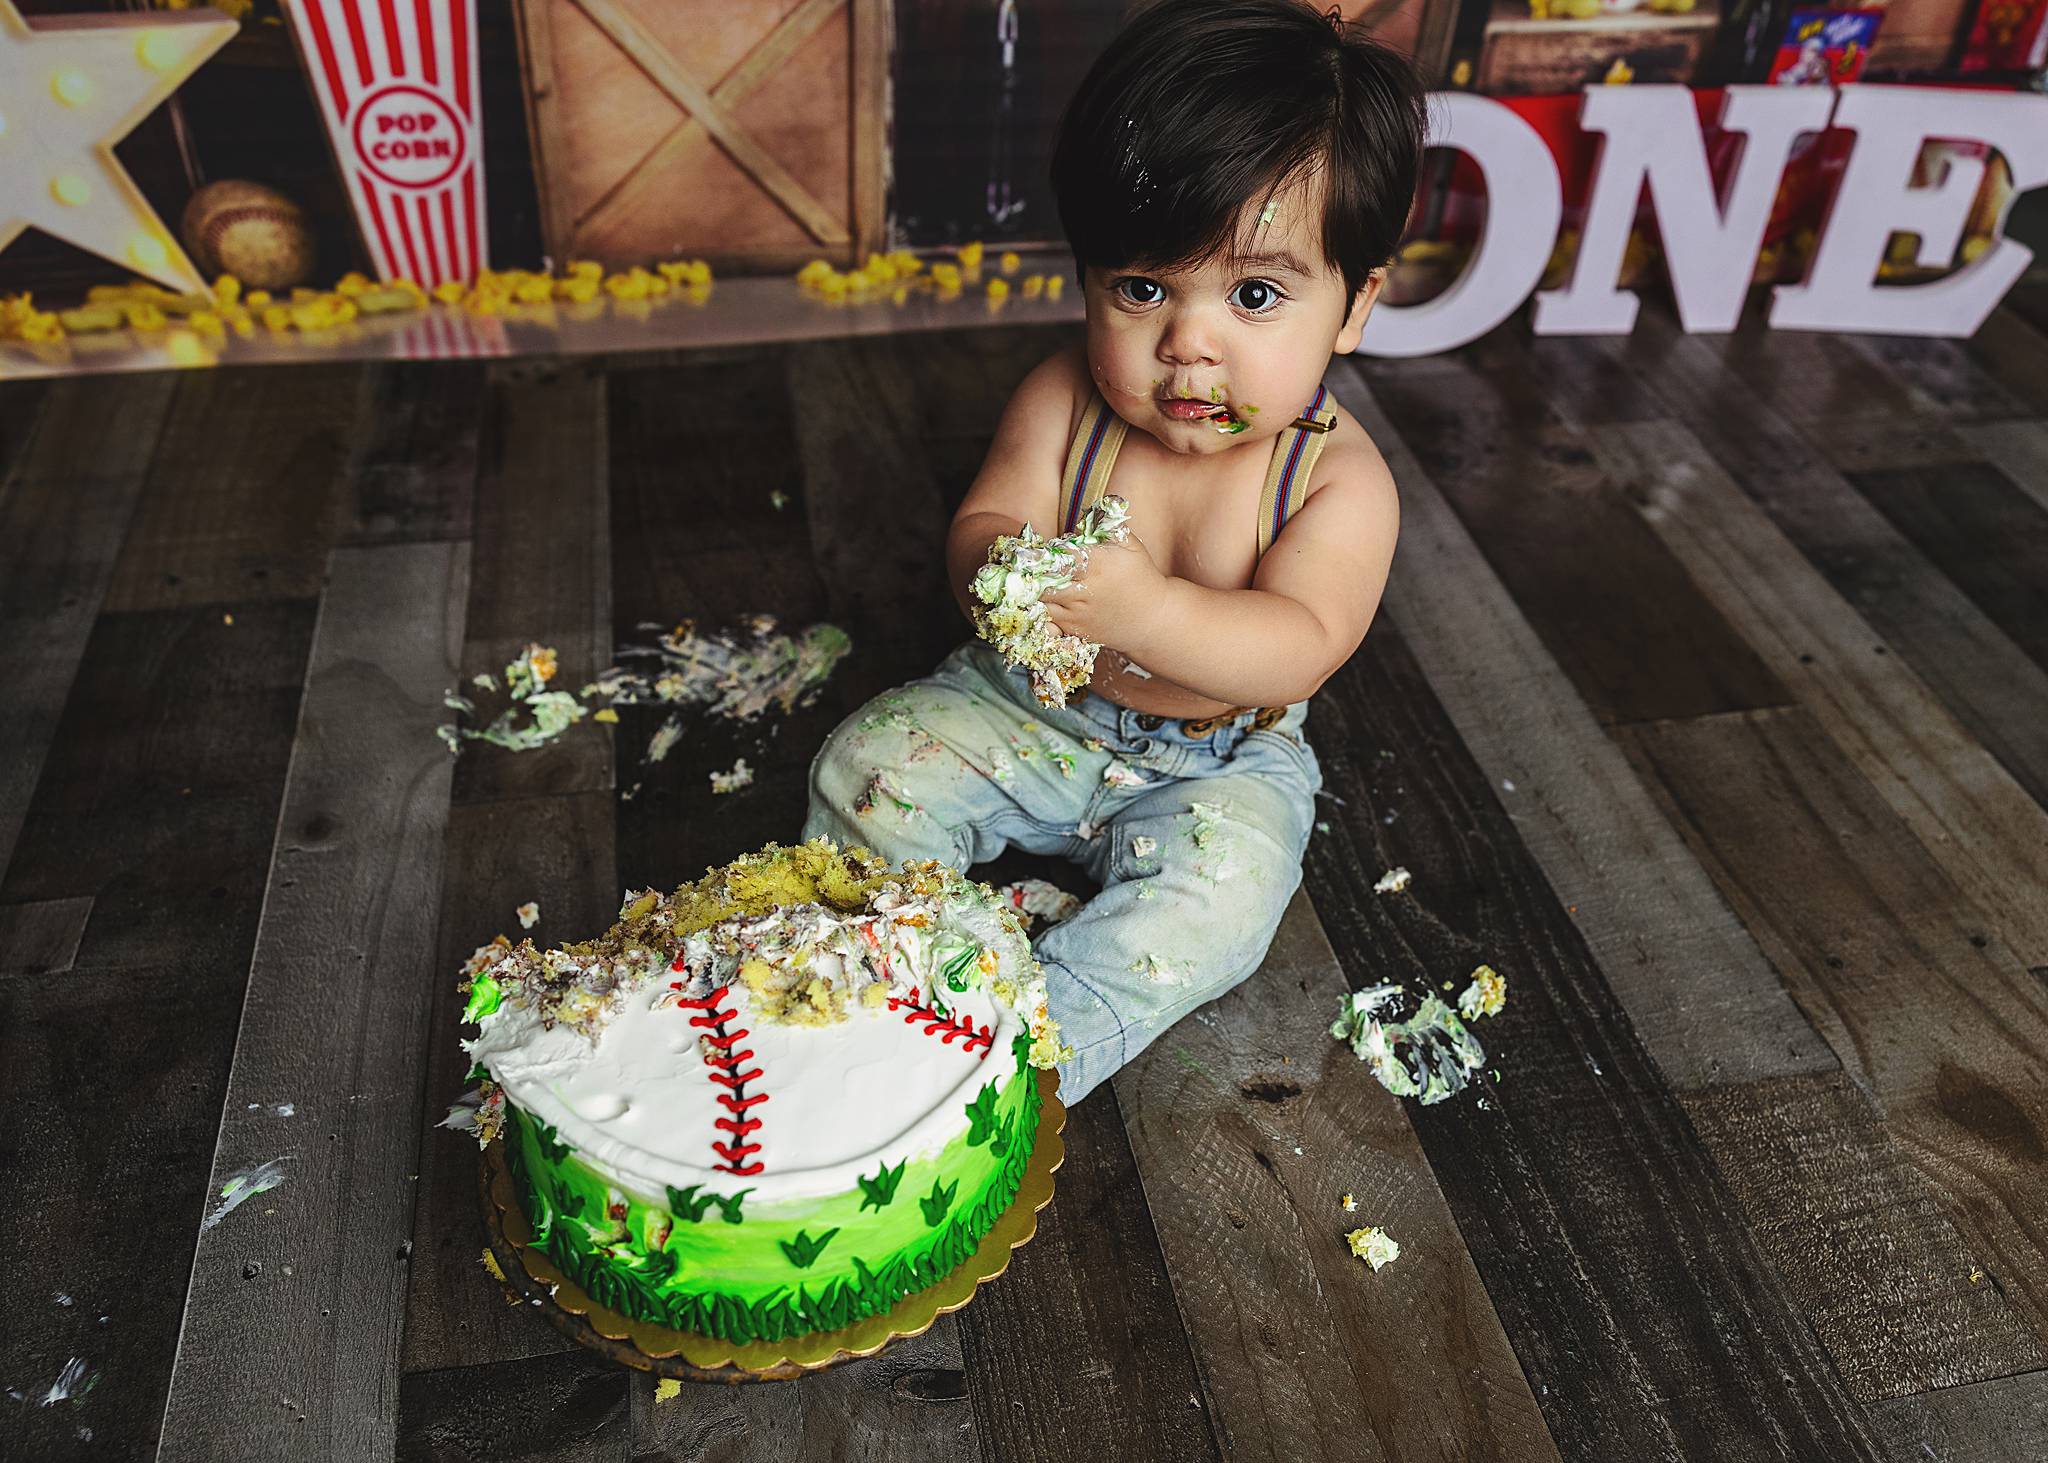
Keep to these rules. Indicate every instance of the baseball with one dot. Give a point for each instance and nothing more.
(250, 231)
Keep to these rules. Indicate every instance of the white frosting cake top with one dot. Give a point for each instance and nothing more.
(786, 1053)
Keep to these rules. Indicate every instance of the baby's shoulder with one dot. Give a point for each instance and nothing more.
(1350, 462)
(1055, 392)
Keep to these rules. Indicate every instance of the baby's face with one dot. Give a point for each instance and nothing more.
(1225, 353)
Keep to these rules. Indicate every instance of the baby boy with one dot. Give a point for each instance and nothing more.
(1233, 177)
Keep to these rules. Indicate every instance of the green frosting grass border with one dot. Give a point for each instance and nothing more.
(650, 1262)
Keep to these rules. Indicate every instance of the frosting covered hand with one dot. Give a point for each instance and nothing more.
(1117, 585)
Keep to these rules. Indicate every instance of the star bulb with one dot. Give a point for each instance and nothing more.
(71, 86)
(70, 188)
(157, 51)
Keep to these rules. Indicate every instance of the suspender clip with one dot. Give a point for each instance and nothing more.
(1311, 424)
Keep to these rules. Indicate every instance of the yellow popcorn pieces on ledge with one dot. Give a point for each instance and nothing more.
(193, 323)
(898, 275)
(227, 306)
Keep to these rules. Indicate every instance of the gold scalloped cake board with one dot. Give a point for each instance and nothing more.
(536, 1280)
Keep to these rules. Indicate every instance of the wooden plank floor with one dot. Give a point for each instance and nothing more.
(1709, 703)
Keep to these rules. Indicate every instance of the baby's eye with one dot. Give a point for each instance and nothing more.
(1139, 291)
(1256, 296)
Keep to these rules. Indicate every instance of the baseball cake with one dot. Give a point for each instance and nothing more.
(774, 1102)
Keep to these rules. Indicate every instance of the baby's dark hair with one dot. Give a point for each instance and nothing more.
(1201, 106)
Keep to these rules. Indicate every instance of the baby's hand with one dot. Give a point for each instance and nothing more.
(1118, 586)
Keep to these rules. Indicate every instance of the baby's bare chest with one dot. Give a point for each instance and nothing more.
(1200, 527)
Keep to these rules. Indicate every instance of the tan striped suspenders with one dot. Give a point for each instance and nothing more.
(1091, 457)
(1294, 458)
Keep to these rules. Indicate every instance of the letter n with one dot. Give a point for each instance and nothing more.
(1652, 136)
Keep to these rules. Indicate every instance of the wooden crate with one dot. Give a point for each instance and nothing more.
(1529, 57)
(751, 135)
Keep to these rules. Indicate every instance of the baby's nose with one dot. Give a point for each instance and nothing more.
(1187, 341)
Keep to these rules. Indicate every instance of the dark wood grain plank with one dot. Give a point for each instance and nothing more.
(557, 852)
(413, 468)
(21, 407)
(960, 381)
(1706, 1001)
(163, 784)
(1917, 991)
(1861, 1238)
(1249, 1125)
(1990, 1422)
(542, 566)
(1889, 442)
(98, 1199)
(1944, 376)
(909, 1403)
(66, 495)
(1989, 683)
(1577, 561)
(335, 1022)
(2013, 352)
(1760, 1085)
(159, 798)
(248, 488)
(861, 430)
(1644, 1313)
(1808, 376)
(1980, 529)
(696, 452)
(2018, 448)
(41, 937)
(1584, 385)
(1093, 1289)
(1939, 760)
(569, 1407)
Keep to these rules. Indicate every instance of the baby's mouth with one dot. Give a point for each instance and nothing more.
(1201, 409)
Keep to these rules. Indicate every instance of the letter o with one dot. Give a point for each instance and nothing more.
(1524, 203)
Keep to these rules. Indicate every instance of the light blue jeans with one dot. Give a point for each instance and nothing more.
(1196, 841)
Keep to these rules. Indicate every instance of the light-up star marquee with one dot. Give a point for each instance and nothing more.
(70, 88)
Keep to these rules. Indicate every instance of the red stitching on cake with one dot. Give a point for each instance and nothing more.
(942, 1026)
(725, 1063)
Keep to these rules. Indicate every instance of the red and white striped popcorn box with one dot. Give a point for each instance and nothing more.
(397, 82)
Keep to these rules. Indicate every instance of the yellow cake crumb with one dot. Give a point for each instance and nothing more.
(1374, 1246)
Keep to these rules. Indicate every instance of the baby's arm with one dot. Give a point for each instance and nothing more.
(1314, 594)
(1019, 478)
